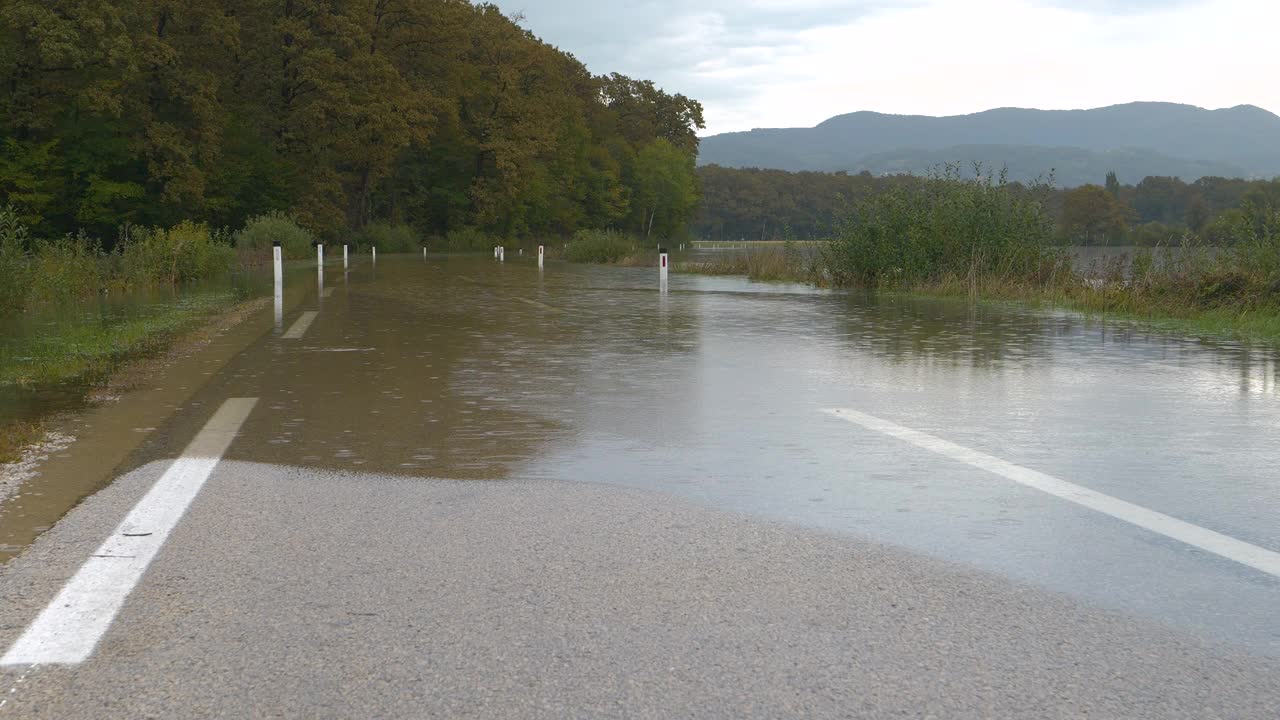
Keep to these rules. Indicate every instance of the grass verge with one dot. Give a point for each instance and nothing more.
(88, 353)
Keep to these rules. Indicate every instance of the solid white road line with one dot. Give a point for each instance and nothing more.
(300, 325)
(1221, 545)
(68, 629)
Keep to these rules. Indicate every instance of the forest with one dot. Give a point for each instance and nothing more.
(440, 115)
(756, 204)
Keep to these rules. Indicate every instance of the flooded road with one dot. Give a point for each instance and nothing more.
(717, 391)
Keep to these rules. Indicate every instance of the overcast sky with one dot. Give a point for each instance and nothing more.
(788, 63)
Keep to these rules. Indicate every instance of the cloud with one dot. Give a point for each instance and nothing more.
(779, 63)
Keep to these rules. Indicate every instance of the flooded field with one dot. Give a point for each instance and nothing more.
(465, 368)
(1092, 260)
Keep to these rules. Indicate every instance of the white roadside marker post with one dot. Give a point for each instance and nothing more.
(277, 261)
(319, 271)
(424, 253)
(662, 269)
(541, 252)
(375, 253)
(344, 256)
(502, 254)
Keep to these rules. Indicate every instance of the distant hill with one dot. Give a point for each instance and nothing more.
(1135, 140)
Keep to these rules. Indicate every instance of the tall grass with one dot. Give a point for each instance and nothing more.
(943, 226)
(62, 270)
(789, 263)
(68, 269)
(187, 251)
(15, 264)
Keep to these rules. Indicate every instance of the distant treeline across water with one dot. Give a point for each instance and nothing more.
(762, 204)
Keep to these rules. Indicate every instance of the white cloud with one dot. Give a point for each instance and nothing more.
(781, 63)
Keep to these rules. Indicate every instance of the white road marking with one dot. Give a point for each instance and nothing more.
(69, 628)
(1214, 542)
(299, 326)
(537, 304)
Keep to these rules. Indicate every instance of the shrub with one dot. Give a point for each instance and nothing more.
(469, 239)
(599, 246)
(15, 263)
(65, 269)
(388, 237)
(186, 251)
(259, 232)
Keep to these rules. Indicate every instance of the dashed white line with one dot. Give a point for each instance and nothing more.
(1221, 545)
(537, 304)
(299, 326)
(69, 628)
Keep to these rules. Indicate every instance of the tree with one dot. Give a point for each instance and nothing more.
(1113, 184)
(666, 188)
(1091, 214)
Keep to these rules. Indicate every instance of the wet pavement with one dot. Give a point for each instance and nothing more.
(714, 393)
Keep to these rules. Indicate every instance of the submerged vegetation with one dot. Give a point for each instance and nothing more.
(86, 352)
(985, 238)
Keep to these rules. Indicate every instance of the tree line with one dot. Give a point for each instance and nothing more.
(756, 204)
(440, 114)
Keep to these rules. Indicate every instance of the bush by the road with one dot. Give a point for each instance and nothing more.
(469, 239)
(388, 237)
(600, 246)
(259, 232)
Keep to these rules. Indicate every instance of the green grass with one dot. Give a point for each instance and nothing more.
(86, 353)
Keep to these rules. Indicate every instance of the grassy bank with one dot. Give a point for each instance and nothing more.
(57, 282)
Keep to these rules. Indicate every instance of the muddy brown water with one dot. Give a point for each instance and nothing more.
(462, 367)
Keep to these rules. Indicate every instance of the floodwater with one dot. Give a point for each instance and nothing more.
(463, 367)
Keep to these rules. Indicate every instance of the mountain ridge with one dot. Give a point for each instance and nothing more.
(1245, 138)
